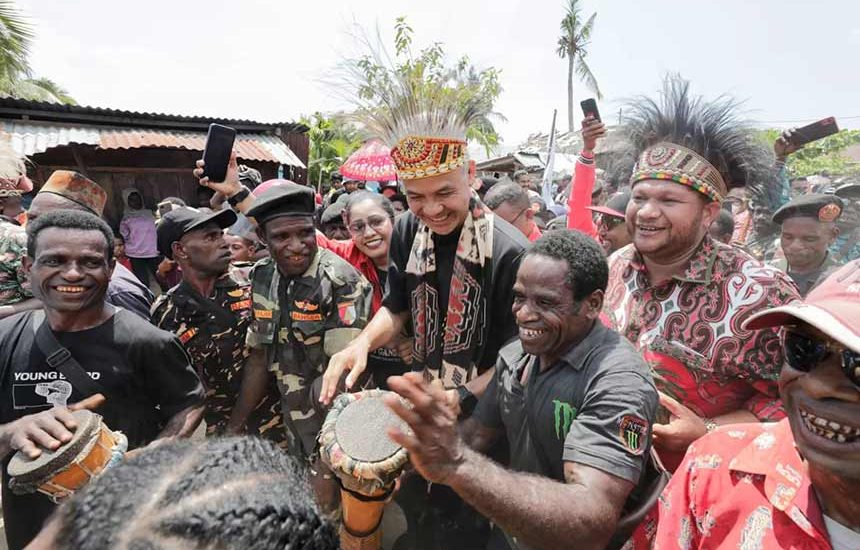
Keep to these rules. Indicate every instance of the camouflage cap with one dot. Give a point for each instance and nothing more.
(77, 188)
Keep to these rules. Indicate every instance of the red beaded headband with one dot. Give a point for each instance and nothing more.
(422, 157)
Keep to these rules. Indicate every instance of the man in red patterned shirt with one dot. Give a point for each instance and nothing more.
(682, 297)
(794, 484)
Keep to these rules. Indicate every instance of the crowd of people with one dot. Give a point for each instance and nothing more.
(665, 358)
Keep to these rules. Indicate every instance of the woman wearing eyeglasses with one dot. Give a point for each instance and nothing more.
(369, 219)
(795, 483)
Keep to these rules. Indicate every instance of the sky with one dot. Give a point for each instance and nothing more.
(792, 61)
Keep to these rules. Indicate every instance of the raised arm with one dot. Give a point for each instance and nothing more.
(578, 216)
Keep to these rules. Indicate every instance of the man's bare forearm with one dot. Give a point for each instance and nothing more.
(384, 326)
(541, 512)
(183, 423)
(255, 380)
(24, 305)
(478, 436)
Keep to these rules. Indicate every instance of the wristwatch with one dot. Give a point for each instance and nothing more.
(468, 401)
(239, 197)
(710, 425)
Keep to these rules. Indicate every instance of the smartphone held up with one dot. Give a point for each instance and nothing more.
(589, 108)
(815, 131)
(216, 154)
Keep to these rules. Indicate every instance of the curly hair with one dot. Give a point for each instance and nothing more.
(714, 129)
(225, 494)
(588, 269)
(68, 219)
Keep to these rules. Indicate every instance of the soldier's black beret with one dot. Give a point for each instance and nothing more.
(287, 199)
(819, 206)
(334, 213)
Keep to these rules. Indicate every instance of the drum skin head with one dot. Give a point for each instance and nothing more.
(25, 469)
(354, 442)
(361, 430)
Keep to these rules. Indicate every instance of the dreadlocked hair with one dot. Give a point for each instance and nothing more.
(713, 129)
(221, 494)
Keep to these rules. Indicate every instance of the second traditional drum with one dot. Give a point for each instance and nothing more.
(354, 443)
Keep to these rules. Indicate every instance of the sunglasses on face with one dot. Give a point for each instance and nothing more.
(610, 222)
(803, 353)
(375, 222)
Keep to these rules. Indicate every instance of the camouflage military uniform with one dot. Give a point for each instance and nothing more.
(300, 323)
(14, 286)
(847, 246)
(763, 249)
(213, 331)
(807, 281)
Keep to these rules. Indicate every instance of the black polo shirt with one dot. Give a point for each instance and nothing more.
(508, 246)
(594, 407)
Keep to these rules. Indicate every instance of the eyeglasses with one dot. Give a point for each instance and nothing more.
(375, 222)
(610, 222)
(523, 211)
(804, 352)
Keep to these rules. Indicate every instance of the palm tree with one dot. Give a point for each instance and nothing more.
(44, 89)
(16, 35)
(573, 45)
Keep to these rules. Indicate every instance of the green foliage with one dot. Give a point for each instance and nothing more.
(331, 142)
(16, 80)
(428, 72)
(822, 156)
(573, 45)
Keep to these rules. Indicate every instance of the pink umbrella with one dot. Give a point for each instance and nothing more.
(371, 162)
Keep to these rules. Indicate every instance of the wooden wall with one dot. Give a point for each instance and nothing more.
(155, 173)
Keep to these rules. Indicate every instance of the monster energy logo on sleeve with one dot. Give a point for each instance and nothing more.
(632, 430)
(564, 416)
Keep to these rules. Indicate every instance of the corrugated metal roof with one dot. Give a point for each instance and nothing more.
(46, 107)
(30, 138)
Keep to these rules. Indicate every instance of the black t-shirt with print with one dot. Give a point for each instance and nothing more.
(508, 246)
(144, 372)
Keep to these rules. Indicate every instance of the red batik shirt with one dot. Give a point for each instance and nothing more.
(744, 486)
(689, 328)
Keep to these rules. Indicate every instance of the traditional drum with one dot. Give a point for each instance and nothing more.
(58, 474)
(355, 446)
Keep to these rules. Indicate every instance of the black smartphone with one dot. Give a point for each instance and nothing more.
(589, 107)
(216, 155)
(815, 131)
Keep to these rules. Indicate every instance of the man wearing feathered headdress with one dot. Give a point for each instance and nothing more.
(452, 263)
(677, 294)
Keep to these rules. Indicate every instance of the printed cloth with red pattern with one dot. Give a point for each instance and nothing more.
(689, 329)
(742, 486)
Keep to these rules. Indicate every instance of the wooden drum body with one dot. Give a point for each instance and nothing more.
(354, 444)
(58, 474)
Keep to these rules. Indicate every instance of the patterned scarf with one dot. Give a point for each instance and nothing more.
(465, 321)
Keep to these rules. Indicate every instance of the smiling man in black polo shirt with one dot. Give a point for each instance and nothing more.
(575, 400)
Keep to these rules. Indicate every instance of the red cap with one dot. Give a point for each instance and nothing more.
(833, 307)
